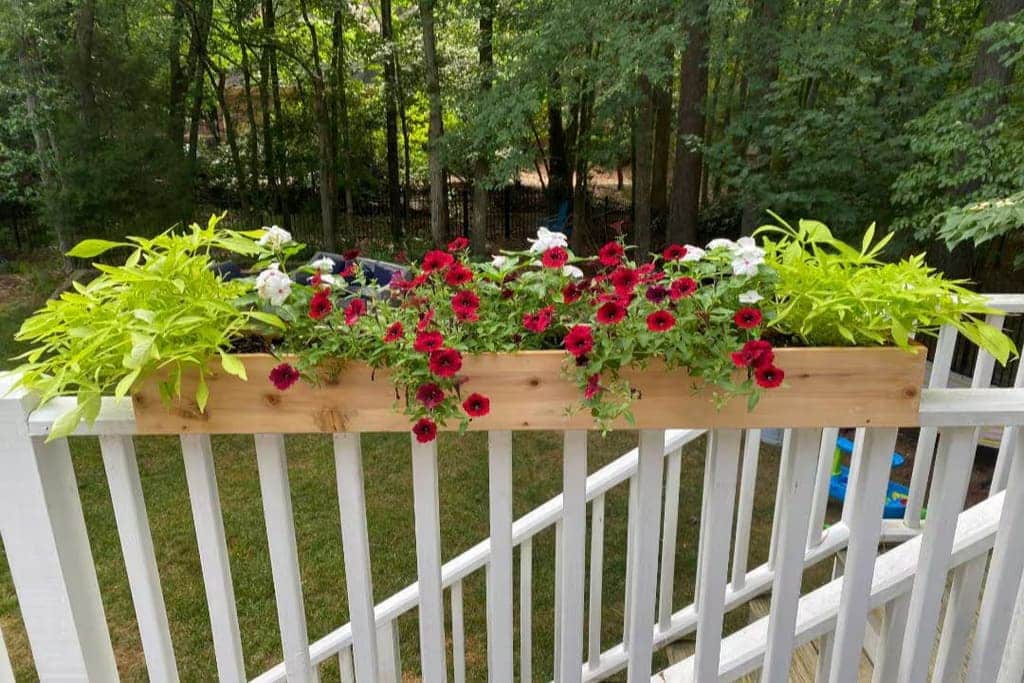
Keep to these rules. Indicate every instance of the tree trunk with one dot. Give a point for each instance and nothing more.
(269, 157)
(277, 129)
(252, 140)
(659, 165)
(438, 186)
(391, 121)
(340, 86)
(202, 17)
(481, 167)
(178, 80)
(328, 180)
(690, 123)
(217, 79)
(85, 28)
(643, 137)
(988, 66)
(559, 174)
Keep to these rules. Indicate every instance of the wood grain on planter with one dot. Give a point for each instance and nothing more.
(839, 387)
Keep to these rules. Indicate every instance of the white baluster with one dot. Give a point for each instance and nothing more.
(745, 507)
(869, 477)
(949, 484)
(48, 550)
(777, 510)
(640, 635)
(819, 506)
(1004, 579)
(346, 665)
(670, 520)
(630, 559)
(1007, 443)
(526, 610)
(390, 662)
(458, 634)
(574, 531)
(348, 465)
(213, 555)
(6, 670)
(799, 462)
(428, 561)
(722, 462)
(894, 624)
(596, 582)
(1011, 670)
(272, 464)
(499, 572)
(129, 505)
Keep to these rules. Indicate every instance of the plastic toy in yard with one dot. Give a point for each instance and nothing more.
(895, 495)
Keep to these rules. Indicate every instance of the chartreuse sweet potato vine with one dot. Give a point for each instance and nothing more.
(165, 308)
(829, 293)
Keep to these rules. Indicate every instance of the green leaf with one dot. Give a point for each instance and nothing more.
(65, 424)
(93, 247)
(268, 318)
(202, 392)
(233, 365)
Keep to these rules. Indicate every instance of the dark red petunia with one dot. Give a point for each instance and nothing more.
(355, 310)
(555, 257)
(571, 293)
(611, 313)
(465, 301)
(467, 315)
(425, 430)
(769, 376)
(436, 260)
(673, 252)
(476, 405)
(660, 321)
(445, 362)
(320, 305)
(394, 332)
(425, 319)
(458, 244)
(458, 275)
(283, 376)
(427, 342)
(682, 288)
(539, 320)
(350, 254)
(611, 254)
(624, 280)
(430, 395)
(756, 353)
(593, 387)
(656, 294)
(579, 341)
(747, 318)
(348, 271)
(316, 280)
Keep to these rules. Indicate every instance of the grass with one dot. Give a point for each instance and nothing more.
(463, 495)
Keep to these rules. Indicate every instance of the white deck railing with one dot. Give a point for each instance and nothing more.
(50, 559)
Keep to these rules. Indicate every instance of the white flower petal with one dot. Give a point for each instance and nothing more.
(721, 243)
(693, 253)
(750, 297)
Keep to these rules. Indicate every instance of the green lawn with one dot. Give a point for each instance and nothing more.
(463, 491)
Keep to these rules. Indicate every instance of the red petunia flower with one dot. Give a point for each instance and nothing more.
(320, 305)
(427, 342)
(611, 313)
(593, 387)
(445, 362)
(349, 270)
(425, 319)
(430, 395)
(769, 376)
(756, 353)
(660, 321)
(436, 260)
(747, 318)
(555, 257)
(394, 332)
(476, 405)
(458, 244)
(464, 301)
(682, 288)
(467, 315)
(283, 376)
(579, 341)
(425, 430)
(624, 280)
(611, 254)
(458, 275)
(539, 320)
(673, 252)
(571, 293)
(355, 310)
(656, 294)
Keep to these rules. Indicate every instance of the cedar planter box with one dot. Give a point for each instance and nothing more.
(840, 387)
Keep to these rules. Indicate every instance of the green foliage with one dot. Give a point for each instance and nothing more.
(980, 222)
(831, 294)
(164, 309)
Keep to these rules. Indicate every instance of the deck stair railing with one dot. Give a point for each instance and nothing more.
(979, 621)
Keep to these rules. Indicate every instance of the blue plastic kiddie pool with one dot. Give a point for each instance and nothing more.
(895, 495)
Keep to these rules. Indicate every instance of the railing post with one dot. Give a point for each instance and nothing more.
(47, 548)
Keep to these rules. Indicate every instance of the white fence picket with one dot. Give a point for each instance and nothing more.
(819, 506)
(670, 520)
(799, 462)
(389, 669)
(129, 505)
(272, 464)
(894, 624)
(713, 565)
(596, 585)
(213, 555)
(526, 610)
(644, 578)
(428, 561)
(1011, 669)
(573, 546)
(6, 670)
(499, 569)
(346, 666)
(458, 634)
(348, 465)
(745, 507)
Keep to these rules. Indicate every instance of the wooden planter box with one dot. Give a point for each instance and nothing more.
(837, 387)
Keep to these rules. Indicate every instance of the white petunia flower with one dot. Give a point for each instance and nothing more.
(750, 297)
(272, 285)
(499, 261)
(547, 239)
(721, 243)
(572, 271)
(275, 237)
(323, 265)
(693, 253)
(744, 243)
(746, 264)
